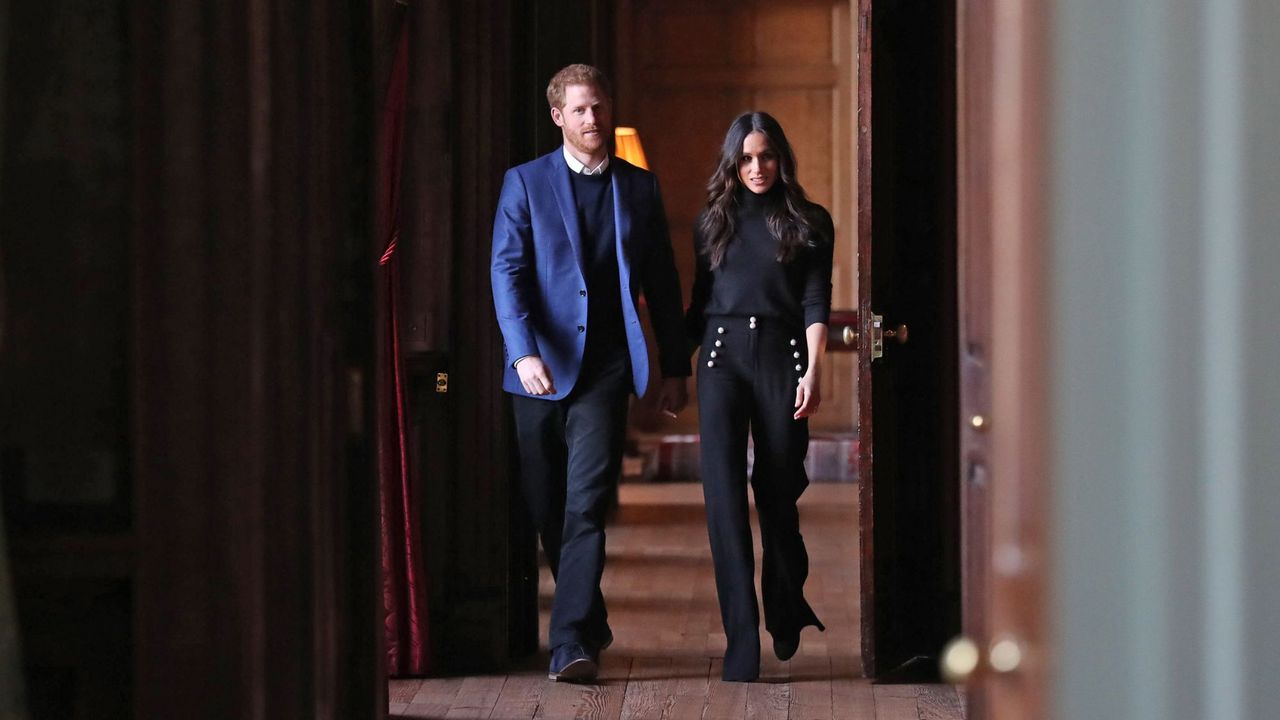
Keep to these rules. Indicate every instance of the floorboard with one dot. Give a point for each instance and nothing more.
(668, 653)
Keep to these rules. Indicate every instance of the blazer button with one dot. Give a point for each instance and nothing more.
(582, 328)
(582, 293)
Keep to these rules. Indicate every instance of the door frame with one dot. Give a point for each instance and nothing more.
(1003, 77)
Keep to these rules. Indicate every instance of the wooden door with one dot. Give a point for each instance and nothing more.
(906, 242)
(1004, 420)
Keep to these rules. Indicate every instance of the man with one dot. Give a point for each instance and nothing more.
(578, 235)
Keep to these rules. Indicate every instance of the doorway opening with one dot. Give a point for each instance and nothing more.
(680, 78)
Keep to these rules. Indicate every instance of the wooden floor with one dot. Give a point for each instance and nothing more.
(665, 661)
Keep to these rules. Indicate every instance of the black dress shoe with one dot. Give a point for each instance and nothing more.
(572, 663)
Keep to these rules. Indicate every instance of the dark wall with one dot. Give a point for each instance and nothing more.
(185, 223)
(551, 35)
(64, 216)
(65, 468)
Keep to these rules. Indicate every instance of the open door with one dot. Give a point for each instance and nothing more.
(907, 360)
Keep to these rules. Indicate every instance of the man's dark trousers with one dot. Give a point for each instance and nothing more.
(572, 448)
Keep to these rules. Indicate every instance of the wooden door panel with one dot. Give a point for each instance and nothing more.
(806, 26)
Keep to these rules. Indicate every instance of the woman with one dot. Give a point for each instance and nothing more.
(761, 300)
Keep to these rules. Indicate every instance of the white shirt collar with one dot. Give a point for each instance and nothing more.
(578, 167)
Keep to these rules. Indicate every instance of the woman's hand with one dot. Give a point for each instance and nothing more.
(808, 394)
(809, 391)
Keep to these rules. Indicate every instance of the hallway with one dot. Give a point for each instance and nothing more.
(665, 664)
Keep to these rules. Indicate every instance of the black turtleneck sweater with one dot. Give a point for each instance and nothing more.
(751, 281)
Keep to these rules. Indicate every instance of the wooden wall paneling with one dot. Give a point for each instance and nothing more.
(686, 70)
(840, 384)
(684, 34)
(681, 129)
(714, 76)
(806, 28)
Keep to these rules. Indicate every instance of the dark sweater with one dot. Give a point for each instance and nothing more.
(593, 195)
(751, 281)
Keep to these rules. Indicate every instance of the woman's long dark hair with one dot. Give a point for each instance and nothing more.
(787, 209)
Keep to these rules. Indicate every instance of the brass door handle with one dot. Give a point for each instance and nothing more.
(843, 331)
(878, 334)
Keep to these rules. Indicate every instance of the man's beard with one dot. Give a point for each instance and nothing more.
(587, 144)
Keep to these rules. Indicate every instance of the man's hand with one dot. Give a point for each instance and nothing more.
(535, 376)
(808, 395)
(674, 395)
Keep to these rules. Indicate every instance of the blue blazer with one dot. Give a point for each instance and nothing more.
(539, 286)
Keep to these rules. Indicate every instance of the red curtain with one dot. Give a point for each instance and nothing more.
(404, 589)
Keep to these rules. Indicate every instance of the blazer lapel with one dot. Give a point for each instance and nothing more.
(562, 188)
(622, 215)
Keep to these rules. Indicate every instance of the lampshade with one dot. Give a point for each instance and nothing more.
(629, 148)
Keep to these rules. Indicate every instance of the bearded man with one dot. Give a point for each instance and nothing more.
(578, 235)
